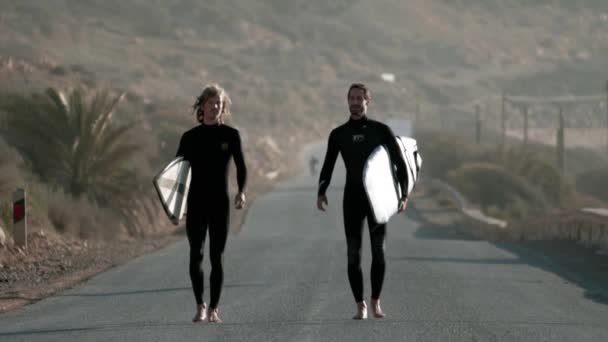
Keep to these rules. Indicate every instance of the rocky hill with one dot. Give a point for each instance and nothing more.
(294, 59)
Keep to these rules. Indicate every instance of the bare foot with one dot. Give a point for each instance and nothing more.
(201, 313)
(213, 316)
(376, 309)
(361, 311)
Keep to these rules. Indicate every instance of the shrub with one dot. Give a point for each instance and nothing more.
(79, 217)
(6, 216)
(443, 153)
(537, 171)
(594, 183)
(497, 189)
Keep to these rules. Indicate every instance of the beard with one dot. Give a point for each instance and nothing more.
(356, 110)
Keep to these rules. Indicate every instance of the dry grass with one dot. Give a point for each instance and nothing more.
(10, 179)
(80, 218)
(594, 183)
(516, 183)
(498, 191)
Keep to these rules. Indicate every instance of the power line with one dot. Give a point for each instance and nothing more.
(554, 99)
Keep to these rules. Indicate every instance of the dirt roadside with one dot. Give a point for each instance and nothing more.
(53, 263)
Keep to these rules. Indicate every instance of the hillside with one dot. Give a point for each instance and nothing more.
(294, 59)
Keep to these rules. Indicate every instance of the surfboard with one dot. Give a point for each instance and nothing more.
(380, 180)
(172, 184)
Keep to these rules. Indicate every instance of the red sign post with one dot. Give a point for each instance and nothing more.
(19, 219)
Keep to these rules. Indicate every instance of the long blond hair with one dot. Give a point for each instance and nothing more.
(210, 91)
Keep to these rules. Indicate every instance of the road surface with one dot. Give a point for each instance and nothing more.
(286, 281)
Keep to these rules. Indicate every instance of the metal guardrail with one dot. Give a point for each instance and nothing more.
(596, 211)
(588, 231)
(555, 99)
(475, 213)
(468, 209)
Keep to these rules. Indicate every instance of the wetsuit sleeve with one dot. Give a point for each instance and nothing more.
(239, 161)
(328, 165)
(396, 159)
(182, 149)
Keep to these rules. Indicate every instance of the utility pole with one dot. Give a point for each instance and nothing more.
(561, 141)
(478, 124)
(525, 112)
(606, 115)
(503, 123)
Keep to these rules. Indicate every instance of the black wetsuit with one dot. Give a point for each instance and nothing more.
(209, 148)
(355, 140)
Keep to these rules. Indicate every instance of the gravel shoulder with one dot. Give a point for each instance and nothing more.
(53, 263)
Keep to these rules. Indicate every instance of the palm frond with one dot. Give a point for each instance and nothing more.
(113, 137)
(73, 141)
(103, 120)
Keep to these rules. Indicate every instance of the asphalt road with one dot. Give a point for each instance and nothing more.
(286, 281)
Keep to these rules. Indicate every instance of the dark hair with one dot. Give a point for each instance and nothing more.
(366, 92)
(209, 92)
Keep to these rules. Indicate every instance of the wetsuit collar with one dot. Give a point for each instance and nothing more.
(211, 125)
(359, 122)
(364, 117)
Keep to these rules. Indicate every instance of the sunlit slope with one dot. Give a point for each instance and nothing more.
(296, 57)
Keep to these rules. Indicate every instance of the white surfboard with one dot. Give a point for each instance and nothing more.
(172, 184)
(380, 180)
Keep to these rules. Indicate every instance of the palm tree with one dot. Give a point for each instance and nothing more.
(75, 144)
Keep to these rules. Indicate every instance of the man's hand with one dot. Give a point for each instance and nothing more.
(321, 201)
(239, 200)
(402, 204)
